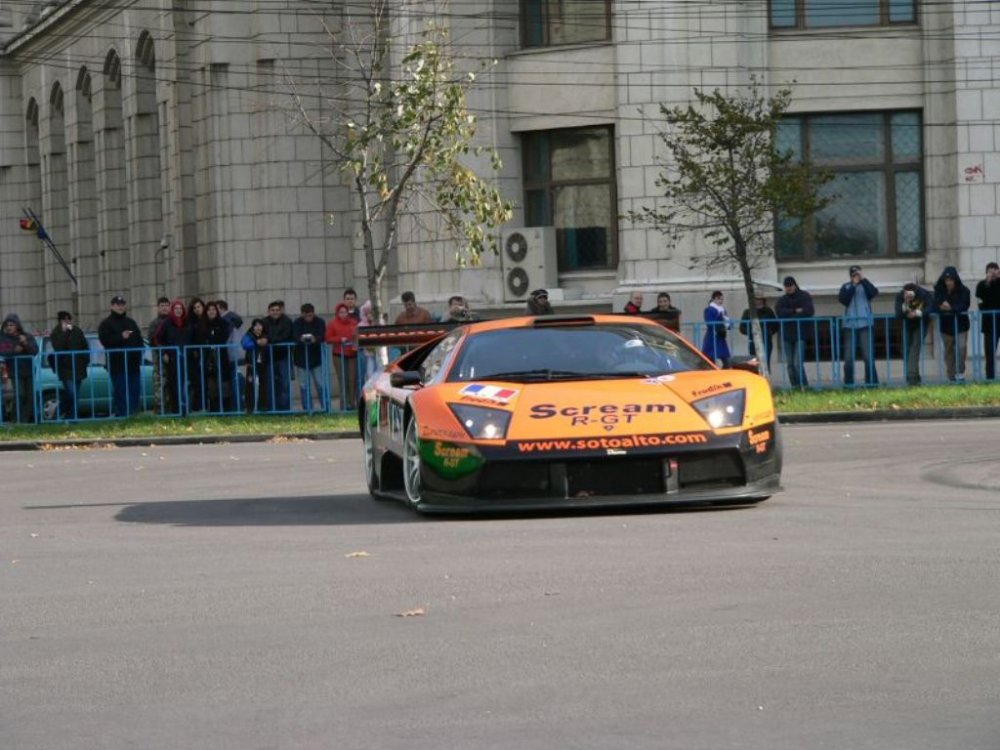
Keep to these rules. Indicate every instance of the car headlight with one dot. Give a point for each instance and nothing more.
(482, 422)
(724, 410)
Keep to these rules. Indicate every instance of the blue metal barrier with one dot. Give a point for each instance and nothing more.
(814, 352)
(806, 353)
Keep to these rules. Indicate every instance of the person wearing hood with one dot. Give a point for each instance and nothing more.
(341, 334)
(71, 356)
(18, 349)
(913, 305)
(173, 336)
(791, 308)
(856, 331)
(952, 300)
(717, 323)
(121, 338)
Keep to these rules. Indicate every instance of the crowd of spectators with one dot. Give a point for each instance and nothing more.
(204, 359)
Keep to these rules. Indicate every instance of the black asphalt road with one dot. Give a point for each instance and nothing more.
(212, 597)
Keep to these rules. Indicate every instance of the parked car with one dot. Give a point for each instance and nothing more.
(94, 398)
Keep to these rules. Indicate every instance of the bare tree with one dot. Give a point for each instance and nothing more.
(724, 178)
(399, 129)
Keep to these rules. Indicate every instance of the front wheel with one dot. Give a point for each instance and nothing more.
(411, 464)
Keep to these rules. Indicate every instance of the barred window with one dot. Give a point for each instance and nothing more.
(816, 14)
(876, 160)
(569, 184)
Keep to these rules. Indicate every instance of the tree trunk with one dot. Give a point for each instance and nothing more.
(755, 326)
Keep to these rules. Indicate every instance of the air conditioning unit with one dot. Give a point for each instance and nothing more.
(528, 257)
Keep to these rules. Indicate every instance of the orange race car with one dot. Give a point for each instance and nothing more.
(557, 411)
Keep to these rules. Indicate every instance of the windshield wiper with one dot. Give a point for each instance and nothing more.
(539, 374)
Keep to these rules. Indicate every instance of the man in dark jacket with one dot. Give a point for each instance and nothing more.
(952, 300)
(278, 329)
(71, 358)
(988, 294)
(792, 309)
(308, 331)
(122, 340)
(913, 304)
(18, 349)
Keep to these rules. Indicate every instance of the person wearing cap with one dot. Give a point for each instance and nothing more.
(538, 303)
(793, 309)
(856, 296)
(70, 360)
(952, 300)
(121, 338)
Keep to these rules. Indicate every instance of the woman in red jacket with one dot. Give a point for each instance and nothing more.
(341, 334)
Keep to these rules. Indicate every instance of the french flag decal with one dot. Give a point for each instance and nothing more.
(489, 392)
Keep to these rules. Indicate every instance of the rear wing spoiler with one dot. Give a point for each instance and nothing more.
(410, 335)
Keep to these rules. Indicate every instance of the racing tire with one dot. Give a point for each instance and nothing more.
(411, 465)
(371, 475)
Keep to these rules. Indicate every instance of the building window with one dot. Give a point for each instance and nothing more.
(875, 158)
(569, 184)
(818, 14)
(546, 23)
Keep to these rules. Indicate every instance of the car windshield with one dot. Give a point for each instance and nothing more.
(573, 353)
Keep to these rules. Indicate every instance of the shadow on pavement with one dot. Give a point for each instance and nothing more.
(325, 510)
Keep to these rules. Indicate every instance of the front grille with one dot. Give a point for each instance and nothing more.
(638, 476)
(628, 477)
(705, 470)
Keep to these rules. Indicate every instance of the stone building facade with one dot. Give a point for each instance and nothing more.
(151, 140)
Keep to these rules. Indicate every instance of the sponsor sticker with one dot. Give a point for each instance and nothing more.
(716, 388)
(606, 415)
(493, 393)
(759, 439)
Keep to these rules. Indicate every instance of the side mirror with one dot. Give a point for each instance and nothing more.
(404, 378)
(747, 364)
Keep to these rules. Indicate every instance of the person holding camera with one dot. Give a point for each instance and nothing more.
(71, 355)
(856, 296)
(308, 331)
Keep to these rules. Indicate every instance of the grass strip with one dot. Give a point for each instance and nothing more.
(955, 396)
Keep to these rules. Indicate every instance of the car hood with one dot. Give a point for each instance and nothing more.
(633, 406)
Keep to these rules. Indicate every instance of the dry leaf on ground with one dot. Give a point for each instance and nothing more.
(362, 553)
(419, 611)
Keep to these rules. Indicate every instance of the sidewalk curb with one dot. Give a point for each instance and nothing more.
(890, 415)
(169, 440)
